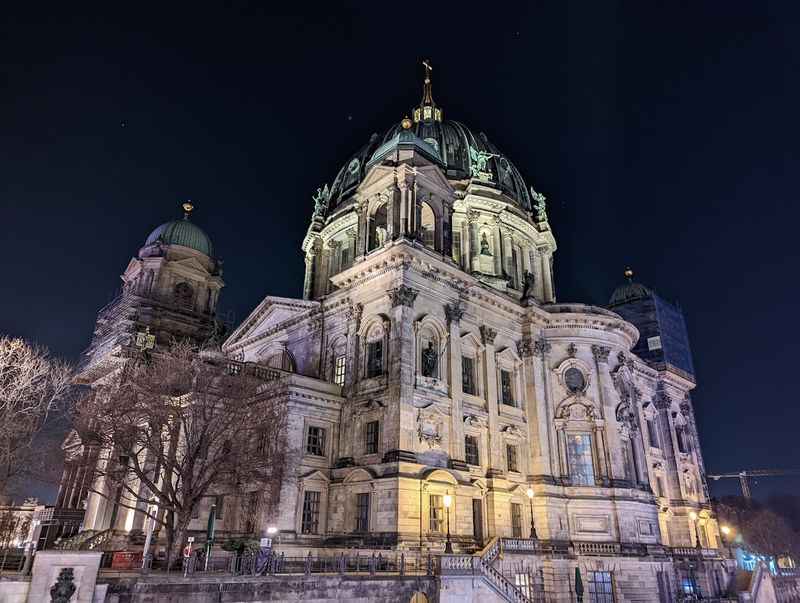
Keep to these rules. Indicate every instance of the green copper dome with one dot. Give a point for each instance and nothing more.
(182, 232)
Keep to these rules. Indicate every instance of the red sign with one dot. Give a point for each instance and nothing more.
(125, 560)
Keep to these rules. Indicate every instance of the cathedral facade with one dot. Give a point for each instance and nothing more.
(438, 392)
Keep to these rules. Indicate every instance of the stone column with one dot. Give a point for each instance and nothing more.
(446, 229)
(615, 453)
(453, 313)
(497, 249)
(309, 277)
(508, 245)
(474, 245)
(401, 415)
(490, 391)
(363, 230)
(545, 464)
(325, 261)
(547, 276)
(662, 402)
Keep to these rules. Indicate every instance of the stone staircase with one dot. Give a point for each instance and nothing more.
(481, 564)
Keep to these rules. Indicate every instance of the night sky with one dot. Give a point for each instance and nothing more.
(665, 137)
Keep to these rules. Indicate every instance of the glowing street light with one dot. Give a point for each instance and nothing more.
(693, 517)
(530, 500)
(448, 547)
(726, 531)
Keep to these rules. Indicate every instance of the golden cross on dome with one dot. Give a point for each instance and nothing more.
(428, 70)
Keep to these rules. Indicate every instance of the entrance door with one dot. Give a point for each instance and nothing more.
(477, 520)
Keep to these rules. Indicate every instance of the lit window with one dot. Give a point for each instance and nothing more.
(338, 370)
(315, 442)
(468, 376)
(516, 520)
(690, 586)
(436, 513)
(652, 433)
(506, 391)
(511, 457)
(428, 226)
(600, 588)
(471, 450)
(362, 512)
(371, 437)
(579, 457)
(310, 523)
(374, 358)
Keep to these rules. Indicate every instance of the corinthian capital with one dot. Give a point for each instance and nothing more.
(601, 353)
(453, 313)
(487, 335)
(541, 347)
(403, 296)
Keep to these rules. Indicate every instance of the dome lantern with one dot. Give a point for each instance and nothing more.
(427, 110)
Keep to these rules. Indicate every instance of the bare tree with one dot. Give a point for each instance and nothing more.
(32, 386)
(180, 426)
(762, 530)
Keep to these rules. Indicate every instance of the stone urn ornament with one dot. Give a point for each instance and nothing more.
(64, 588)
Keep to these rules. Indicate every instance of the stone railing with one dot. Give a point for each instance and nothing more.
(692, 552)
(473, 565)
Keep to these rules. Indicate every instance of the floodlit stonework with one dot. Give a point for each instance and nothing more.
(429, 358)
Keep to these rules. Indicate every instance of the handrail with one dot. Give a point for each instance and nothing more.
(471, 565)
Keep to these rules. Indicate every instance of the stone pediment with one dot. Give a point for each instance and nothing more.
(269, 315)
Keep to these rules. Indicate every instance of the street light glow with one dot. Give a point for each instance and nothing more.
(693, 516)
(725, 530)
(272, 530)
(530, 493)
(448, 500)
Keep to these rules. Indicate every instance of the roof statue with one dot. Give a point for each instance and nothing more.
(477, 163)
(321, 201)
(539, 205)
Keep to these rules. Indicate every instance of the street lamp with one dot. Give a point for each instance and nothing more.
(448, 547)
(530, 500)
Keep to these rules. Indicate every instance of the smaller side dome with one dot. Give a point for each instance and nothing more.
(629, 291)
(182, 232)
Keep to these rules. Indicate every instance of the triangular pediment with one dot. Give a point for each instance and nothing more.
(269, 314)
(191, 264)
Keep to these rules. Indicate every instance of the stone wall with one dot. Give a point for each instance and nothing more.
(320, 589)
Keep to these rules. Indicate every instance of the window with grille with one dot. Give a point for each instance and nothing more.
(471, 454)
(468, 376)
(362, 512)
(338, 369)
(579, 458)
(436, 513)
(315, 441)
(374, 358)
(652, 433)
(371, 437)
(506, 390)
(600, 588)
(310, 523)
(516, 520)
(511, 457)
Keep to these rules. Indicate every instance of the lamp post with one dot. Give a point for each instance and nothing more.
(530, 500)
(698, 551)
(448, 547)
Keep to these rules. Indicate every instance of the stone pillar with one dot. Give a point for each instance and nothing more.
(453, 313)
(401, 415)
(308, 281)
(474, 245)
(490, 391)
(547, 276)
(446, 229)
(508, 245)
(497, 249)
(615, 453)
(662, 402)
(363, 231)
(545, 463)
(325, 270)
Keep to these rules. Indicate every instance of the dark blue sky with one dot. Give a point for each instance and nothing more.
(664, 135)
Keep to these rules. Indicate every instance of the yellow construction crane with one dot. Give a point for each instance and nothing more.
(745, 475)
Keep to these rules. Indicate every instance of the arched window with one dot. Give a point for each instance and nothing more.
(378, 228)
(429, 355)
(375, 350)
(281, 359)
(428, 226)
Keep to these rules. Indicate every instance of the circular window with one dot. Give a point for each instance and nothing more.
(354, 165)
(574, 380)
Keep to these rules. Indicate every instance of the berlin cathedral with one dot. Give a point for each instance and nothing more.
(431, 374)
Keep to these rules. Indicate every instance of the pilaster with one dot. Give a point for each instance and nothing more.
(453, 313)
(490, 379)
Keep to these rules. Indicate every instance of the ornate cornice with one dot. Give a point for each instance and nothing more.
(525, 347)
(403, 296)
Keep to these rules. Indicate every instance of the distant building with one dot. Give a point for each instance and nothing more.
(428, 362)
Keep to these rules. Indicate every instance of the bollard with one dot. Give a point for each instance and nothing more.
(402, 564)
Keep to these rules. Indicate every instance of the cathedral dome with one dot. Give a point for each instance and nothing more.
(182, 232)
(629, 291)
(456, 146)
